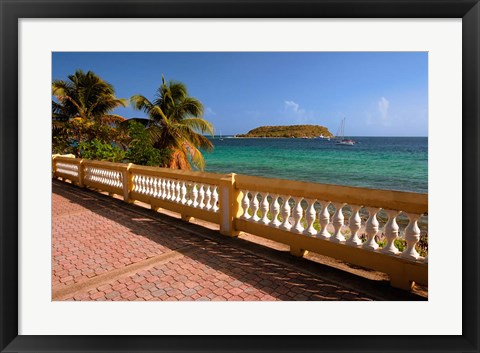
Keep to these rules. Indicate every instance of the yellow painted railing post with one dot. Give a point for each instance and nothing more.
(54, 167)
(81, 174)
(127, 183)
(229, 205)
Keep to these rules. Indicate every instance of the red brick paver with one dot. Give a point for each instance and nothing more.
(234, 275)
(91, 237)
(106, 250)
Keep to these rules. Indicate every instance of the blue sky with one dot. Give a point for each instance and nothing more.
(379, 94)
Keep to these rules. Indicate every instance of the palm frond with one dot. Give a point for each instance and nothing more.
(195, 155)
(141, 103)
(199, 125)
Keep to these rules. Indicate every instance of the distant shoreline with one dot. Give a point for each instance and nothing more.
(300, 138)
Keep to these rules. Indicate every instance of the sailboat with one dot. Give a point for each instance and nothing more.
(340, 138)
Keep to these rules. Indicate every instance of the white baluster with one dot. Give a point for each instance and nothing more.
(190, 194)
(255, 206)
(286, 214)
(176, 191)
(145, 185)
(208, 197)
(142, 184)
(150, 186)
(391, 232)
(371, 228)
(179, 191)
(337, 222)
(201, 196)
(156, 187)
(162, 184)
(245, 205)
(138, 186)
(298, 215)
(265, 208)
(173, 186)
(172, 190)
(324, 220)
(183, 200)
(354, 223)
(275, 209)
(195, 195)
(168, 189)
(215, 199)
(412, 236)
(310, 216)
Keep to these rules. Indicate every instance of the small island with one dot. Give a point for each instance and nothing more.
(289, 131)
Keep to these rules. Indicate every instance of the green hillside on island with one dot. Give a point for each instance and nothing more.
(298, 131)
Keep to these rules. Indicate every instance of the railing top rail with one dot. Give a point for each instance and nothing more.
(203, 177)
(105, 164)
(67, 159)
(387, 199)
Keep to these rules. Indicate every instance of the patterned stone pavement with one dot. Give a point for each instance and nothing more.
(104, 249)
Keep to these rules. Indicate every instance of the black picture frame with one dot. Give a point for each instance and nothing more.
(12, 11)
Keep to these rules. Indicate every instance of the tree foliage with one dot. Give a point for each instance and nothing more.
(140, 148)
(101, 151)
(81, 111)
(288, 131)
(83, 124)
(175, 124)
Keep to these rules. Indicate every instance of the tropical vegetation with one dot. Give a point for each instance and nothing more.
(175, 124)
(83, 124)
(298, 131)
(82, 112)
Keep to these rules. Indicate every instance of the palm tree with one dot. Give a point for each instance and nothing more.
(82, 109)
(175, 124)
(85, 96)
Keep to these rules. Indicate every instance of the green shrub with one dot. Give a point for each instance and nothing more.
(98, 150)
(140, 149)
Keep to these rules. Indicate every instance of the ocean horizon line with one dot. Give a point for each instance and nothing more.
(233, 135)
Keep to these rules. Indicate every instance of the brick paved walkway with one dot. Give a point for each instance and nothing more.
(104, 249)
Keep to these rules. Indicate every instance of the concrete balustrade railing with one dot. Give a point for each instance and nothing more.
(305, 216)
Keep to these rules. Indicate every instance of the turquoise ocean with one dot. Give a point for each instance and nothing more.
(391, 163)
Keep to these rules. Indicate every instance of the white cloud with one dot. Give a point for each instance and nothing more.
(301, 115)
(382, 116)
(209, 111)
(383, 105)
(291, 105)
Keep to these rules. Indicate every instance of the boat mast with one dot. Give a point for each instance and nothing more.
(340, 132)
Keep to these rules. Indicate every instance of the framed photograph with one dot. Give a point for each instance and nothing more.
(416, 61)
